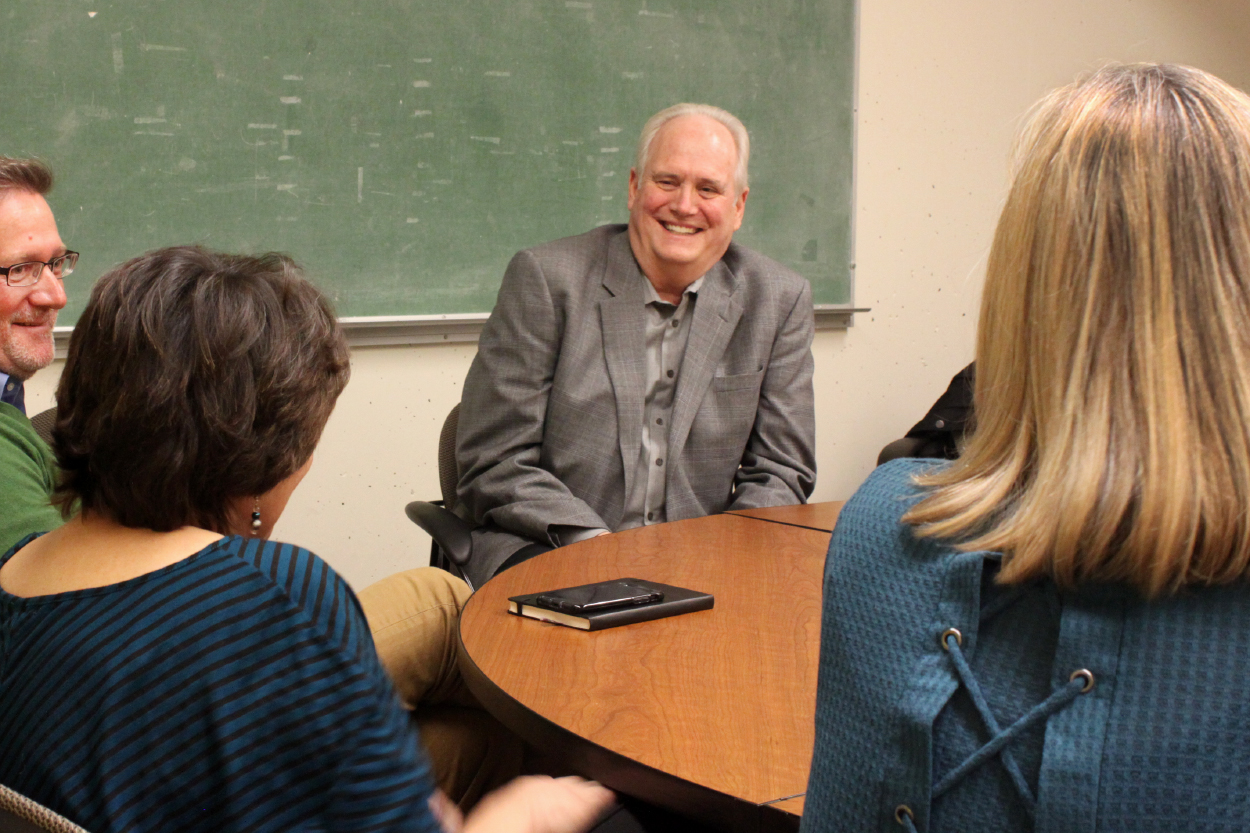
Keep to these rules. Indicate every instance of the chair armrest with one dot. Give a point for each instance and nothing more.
(451, 532)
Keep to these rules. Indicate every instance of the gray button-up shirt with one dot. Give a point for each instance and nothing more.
(668, 330)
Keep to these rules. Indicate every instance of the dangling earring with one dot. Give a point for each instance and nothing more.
(256, 518)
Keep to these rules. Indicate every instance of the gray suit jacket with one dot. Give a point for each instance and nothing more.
(552, 410)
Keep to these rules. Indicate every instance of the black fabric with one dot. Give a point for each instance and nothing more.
(634, 816)
(525, 553)
(951, 418)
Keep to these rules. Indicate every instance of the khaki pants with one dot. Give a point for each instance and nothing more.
(414, 617)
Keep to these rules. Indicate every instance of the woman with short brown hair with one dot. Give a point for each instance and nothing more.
(163, 665)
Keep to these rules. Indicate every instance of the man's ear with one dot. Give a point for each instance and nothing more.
(740, 208)
(633, 189)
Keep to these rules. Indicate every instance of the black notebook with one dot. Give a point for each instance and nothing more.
(676, 600)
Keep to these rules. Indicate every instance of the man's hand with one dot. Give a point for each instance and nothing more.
(540, 804)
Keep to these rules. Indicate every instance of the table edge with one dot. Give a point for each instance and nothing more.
(619, 772)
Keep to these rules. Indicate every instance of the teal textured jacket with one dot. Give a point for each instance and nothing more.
(1046, 711)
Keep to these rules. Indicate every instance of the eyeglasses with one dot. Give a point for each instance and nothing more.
(28, 274)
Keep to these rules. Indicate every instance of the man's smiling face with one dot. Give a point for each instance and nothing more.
(28, 313)
(685, 207)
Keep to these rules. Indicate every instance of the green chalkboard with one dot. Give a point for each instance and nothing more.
(403, 150)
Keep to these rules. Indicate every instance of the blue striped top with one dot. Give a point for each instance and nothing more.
(235, 690)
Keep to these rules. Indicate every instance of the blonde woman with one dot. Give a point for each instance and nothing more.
(1053, 632)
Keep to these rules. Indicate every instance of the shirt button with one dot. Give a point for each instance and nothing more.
(10, 386)
(670, 374)
(674, 324)
(941, 423)
(651, 516)
(659, 461)
(659, 420)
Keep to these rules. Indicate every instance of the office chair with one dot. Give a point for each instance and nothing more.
(452, 546)
(19, 814)
(42, 422)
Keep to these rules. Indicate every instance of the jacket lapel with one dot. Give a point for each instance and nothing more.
(623, 321)
(716, 314)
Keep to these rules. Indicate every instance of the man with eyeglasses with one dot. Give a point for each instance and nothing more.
(33, 261)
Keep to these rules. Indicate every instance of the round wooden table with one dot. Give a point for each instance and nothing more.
(709, 714)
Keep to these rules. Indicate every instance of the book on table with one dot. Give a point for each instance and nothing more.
(633, 606)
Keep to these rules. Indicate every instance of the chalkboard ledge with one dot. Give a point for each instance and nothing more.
(385, 331)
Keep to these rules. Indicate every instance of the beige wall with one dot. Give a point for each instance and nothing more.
(941, 89)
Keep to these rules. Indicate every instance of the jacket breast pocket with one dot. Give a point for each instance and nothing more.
(739, 381)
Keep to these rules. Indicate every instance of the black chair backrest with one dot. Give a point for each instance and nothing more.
(448, 474)
(42, 422)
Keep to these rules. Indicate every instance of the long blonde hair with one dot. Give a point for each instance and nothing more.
(1113, 351)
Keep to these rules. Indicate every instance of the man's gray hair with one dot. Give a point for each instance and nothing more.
(731, 122)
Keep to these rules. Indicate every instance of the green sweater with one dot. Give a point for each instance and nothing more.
(29, 475)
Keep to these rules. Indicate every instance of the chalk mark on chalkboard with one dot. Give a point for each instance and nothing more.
(649, 13)
(152, 47)
(292, 78)
(609, 150)
(118, 63)
(262, 127)
(148, 120)
(152, 133)
(360, 185)
(290, 99)
(492, 139)
(422, 60)
(577, 4)
(632, 76)
(423, 112)
(420, 84)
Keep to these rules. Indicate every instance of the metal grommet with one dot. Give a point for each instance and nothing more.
(1089, 679)
(903, 810)
(959, 638)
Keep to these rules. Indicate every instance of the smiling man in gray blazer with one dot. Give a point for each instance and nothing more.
(643, 373)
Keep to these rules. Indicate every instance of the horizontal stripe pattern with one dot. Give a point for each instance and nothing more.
(235, 690)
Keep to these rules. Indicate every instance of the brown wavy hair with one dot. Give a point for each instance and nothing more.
(194, 378)
(1113, 350)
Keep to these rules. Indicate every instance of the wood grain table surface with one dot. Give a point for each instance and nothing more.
(708, 713)
(820, 516)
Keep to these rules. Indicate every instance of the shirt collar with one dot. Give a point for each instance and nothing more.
(15, 397)
(653, 297)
